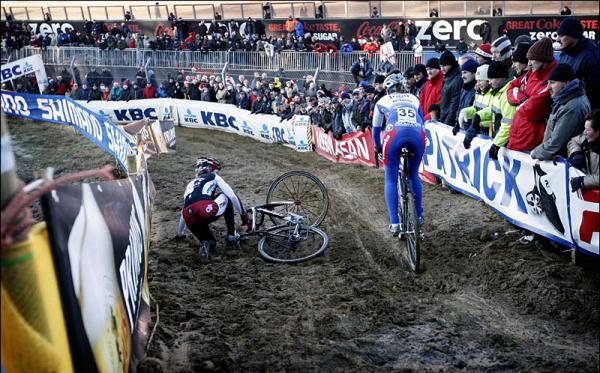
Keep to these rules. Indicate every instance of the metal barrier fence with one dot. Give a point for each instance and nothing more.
(236, 60)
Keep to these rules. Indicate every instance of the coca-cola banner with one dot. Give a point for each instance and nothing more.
(100, 233)
(448, 30)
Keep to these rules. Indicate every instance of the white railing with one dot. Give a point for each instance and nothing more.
(236, 60)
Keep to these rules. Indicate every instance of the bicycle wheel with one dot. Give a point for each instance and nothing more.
(306, 191)
(282, 245)
(411, 225)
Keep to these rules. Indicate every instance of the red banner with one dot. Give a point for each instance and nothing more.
(353, 148)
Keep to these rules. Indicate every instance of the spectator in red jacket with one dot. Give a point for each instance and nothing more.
(149, 91)
(529, 93)
(431, 94)
(371, 47)
(61, 86)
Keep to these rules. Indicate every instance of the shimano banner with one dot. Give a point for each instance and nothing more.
(63, 110)
(202, 114)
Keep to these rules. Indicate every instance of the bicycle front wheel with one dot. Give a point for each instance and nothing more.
(286, 245)
(411, 223)
(307, 193)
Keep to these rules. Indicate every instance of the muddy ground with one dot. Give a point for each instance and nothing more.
(482, 303)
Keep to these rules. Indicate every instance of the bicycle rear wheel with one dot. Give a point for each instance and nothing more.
(410, 221)
(306, 191)
(281, 245)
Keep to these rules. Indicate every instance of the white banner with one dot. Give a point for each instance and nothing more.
(32, 64)
(202, 114)
(530, 194)
(386, 51)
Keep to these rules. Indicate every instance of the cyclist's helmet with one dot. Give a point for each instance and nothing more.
(207, 164)
(394, 83)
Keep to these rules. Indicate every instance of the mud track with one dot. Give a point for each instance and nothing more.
(484, 302)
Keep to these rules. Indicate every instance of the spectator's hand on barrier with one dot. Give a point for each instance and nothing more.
(455, 129)
(577, 160)
(494, 151)
(467, 142)
(577, 183)
(178, 238)
(476, 122)
(462, 118)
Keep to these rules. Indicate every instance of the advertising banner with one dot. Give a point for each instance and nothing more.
(202, 114)
(585, 217)
(301, 130)
(528, 193)
(447, 29)
(152, 136)
(32, 64)
(100, 233)
(354, 148)
(62, 110)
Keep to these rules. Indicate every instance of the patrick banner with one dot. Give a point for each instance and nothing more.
(531, 194)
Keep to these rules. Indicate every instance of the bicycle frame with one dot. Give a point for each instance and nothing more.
(290, 218)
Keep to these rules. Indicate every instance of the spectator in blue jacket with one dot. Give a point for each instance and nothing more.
(467, 94)
(362, 70)
(85, 92)
(346, 49)
(299, 28)
(162, 91)
(582, 54)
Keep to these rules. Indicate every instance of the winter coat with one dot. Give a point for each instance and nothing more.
(222, 96)
(481, 102)
(138, 93)
(385, 67)
(351, 118)
(366, 71)
(299, 29)
(584, 59)
(567, 116)
(592, 159)
(115, 94)
(431, 94)
(467, 97)
(149, 92)
(346, 49)
(530, 95)
(500, 113)
(126, 94)
(290, 25)
(95, 95)
(163, 92)
(85, 94)
(76, 94)
(451, 92)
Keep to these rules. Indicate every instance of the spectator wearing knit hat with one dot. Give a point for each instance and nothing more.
(483, 99)
(567, 116)
(483, 54)
(420, 74)
(451, 88)
(583, 56)
(467, 93)
(431, 94)
(529, 94)
(519, 59)
(502, 52)
(500, 112)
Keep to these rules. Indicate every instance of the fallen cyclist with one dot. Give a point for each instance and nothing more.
(204, 205)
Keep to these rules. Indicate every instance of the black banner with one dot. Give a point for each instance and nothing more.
(100, 235)
(448, 30)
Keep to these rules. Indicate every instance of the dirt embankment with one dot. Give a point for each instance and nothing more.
(483, 302)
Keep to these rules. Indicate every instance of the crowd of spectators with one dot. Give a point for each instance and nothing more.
(517, 93)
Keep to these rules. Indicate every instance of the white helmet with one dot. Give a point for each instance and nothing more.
(392, 81)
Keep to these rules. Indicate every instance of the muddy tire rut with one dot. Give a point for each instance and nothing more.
(484, 302)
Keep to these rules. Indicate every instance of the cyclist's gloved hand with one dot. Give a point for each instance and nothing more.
(246, 221)
(455, 129)
(494, 151)
(577, 183)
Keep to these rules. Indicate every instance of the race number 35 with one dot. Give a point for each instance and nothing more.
(406, 115)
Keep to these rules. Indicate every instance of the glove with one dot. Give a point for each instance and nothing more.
(246, 221)
(455, 129)
(462, 118)
(577, 160)
(433, 107)
(577, 183)
(179, 238)
(476, 123)
(467, 141)
(494, 151)
(497, 122)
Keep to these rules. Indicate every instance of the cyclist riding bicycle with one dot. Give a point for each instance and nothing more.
(404, 129)
(203, 205)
